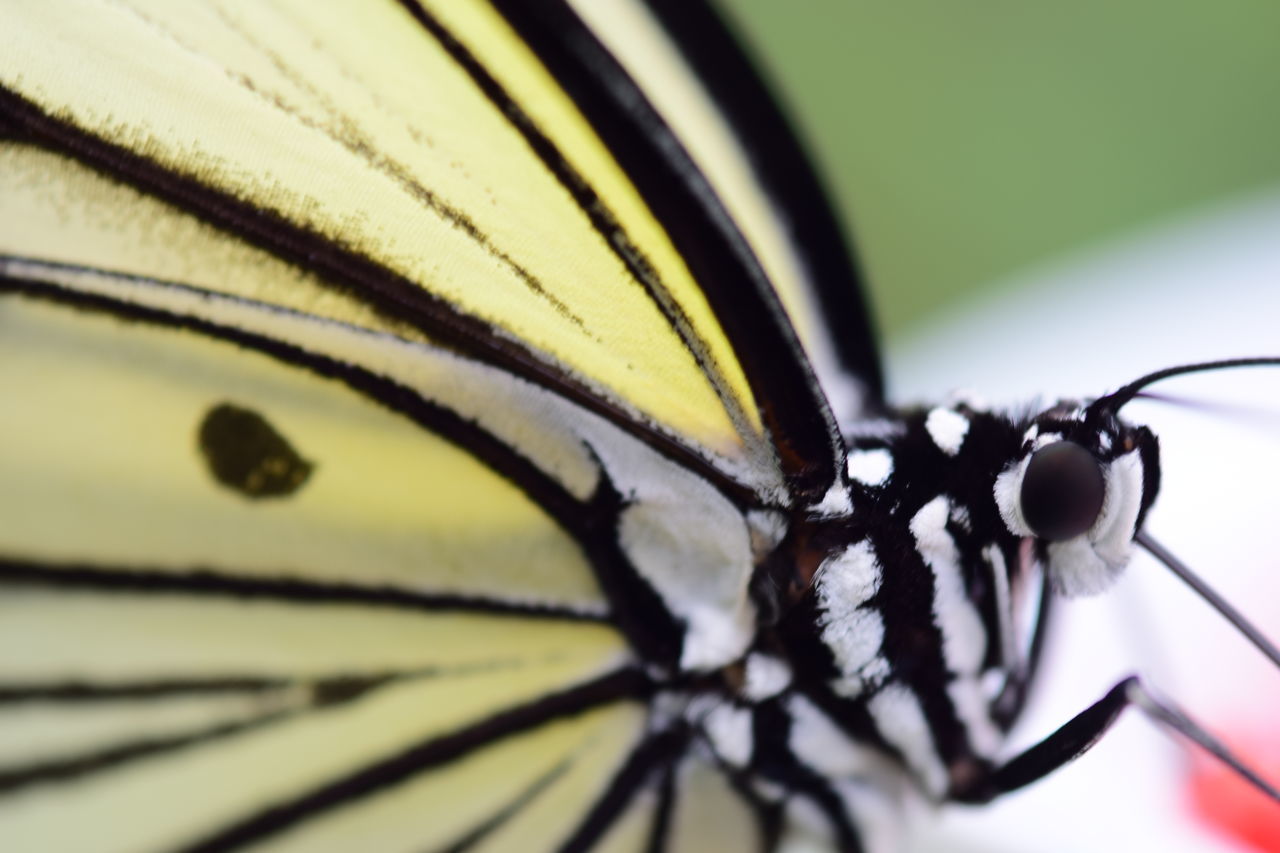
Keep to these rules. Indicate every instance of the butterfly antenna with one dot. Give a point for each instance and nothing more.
(1116, 399)
(1202, 589)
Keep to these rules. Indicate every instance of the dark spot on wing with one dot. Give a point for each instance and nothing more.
(340, 689)
(245, 453)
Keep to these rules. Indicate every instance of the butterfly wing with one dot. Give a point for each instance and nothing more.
(707, 91)
(360, 358)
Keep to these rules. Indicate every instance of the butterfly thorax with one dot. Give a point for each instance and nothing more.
(898, 639)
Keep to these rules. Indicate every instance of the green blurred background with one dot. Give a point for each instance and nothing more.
(967, 140)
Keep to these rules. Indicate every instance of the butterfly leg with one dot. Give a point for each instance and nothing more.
(1083, 730)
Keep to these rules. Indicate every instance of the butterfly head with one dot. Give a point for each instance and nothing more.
(1080, 486)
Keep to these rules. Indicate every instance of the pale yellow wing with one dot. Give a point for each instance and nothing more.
(173, 721)
(479, 206)
(184, 655)
(696, 76)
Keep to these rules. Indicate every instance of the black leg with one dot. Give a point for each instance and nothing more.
(1085, 729)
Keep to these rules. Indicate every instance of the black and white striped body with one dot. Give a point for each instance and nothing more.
(902, 635)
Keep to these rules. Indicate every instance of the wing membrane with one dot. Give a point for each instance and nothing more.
(709, 814)
(435, 189)
(111, 474)
(696, 75)
(253, 773)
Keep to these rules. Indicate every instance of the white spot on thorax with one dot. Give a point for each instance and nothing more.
(871, 467)
(947, 428)
(853, 633)
(836, 503)
(849, 578)
(765, 676)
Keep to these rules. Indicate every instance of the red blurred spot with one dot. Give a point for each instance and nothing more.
(1231, 805)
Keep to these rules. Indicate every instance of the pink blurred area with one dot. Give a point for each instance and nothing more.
(1225, 801)
(1206, 287)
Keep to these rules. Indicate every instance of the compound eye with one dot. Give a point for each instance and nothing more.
(1062, 491)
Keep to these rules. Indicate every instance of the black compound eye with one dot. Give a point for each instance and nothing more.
(1062, 491)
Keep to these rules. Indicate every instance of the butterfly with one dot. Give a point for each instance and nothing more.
(457, 426)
